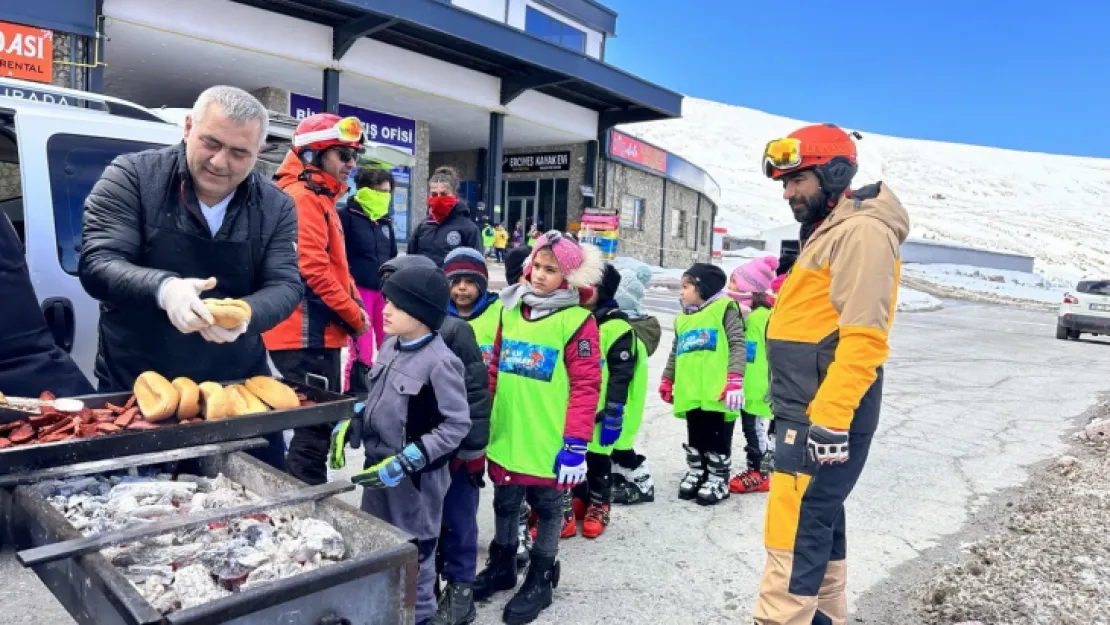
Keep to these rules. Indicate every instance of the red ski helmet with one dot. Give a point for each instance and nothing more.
(824, 148)
(325, 130)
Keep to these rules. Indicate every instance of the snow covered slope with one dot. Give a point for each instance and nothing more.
(1055, 208)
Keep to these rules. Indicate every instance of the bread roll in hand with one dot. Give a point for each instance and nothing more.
(229, 313)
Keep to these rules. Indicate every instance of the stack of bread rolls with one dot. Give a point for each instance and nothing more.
(160, 399)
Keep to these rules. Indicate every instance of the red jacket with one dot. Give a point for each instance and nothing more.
(330, 309)
(584, 376)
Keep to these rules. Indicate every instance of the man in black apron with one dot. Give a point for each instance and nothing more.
(164, 228)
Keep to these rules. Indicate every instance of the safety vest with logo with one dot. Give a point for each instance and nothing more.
(485, 329)
(610, 330)
(701, 359)
(533, 390)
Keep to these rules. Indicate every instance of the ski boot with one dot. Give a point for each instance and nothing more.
(750, 481)
(597, 518)
(525, 538)
(635, 485)
(715, 488)
(456, 605)
(570, 516)
(695, 474)
(535, 594)
(499, 574)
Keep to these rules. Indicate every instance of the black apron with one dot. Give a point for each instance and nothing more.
(143, 339)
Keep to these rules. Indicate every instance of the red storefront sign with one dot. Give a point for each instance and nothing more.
(630, 149)
(26, 52)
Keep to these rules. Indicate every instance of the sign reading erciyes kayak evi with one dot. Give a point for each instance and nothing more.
(380, 127)
(536, 161)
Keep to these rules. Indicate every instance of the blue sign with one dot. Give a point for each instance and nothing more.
(401, 176)
(380, 127)
(686, 173)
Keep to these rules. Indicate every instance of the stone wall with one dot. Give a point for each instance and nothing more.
(10, 184)
(465, 161)
(70, 76)
(418, 188)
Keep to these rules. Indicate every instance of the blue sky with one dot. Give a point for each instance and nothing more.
(1019, 74)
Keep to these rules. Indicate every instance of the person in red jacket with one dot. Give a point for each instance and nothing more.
(306, 346)
(545, 377)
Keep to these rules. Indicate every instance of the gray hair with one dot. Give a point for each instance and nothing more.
(239, 106)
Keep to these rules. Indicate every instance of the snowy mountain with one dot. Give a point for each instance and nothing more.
(1055, 208)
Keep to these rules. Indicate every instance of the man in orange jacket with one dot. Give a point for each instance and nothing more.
(306, 347)
(826, 344)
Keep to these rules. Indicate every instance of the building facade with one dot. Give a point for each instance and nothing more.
(515, 94)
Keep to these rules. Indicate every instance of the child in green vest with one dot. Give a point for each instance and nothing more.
(632, 482)
(623, 390)
(704, 379)
(749, 287)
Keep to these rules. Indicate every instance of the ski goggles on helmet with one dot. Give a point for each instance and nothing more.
(782, 154)
(346, 130)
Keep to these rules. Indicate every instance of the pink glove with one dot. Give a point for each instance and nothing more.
(733, 393)
(666, 390)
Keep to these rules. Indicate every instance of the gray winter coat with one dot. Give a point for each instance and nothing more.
(417, 395)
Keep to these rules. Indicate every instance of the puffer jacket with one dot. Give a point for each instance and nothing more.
(436, 240)
(135, 187)
(330, 310)
(369, 243)
(827, 335)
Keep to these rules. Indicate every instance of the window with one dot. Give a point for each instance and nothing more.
(678, 224)
(550, 29)
(75, 163)
(632, 212)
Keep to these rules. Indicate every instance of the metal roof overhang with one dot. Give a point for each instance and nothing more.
(522, 61)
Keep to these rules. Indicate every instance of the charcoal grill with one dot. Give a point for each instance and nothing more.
(330, 407)
(375, 585)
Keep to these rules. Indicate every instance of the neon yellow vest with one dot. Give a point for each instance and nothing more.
(701, 359)
(610, 331)
(757, 376)
(533, 391)
(485, 329)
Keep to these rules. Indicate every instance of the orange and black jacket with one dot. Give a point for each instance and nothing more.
(827, 336)
(330, 309)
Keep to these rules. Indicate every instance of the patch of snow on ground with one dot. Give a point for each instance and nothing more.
(910, 300)
(1015, 285)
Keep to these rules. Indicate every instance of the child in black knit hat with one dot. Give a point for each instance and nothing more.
(704, 379)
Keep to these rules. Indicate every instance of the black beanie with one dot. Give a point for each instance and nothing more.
(422, 292)
(709, 279)
(610, 281)
(514, 263)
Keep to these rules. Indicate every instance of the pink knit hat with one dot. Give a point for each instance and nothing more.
(581, 263)
(756, 275)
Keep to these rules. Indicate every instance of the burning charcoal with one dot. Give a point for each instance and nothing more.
(321, 537)
(150, 492)
(194, 586)
(154, 511)
(257, 533)
(81, 484)
(161, 598)
(139, 573)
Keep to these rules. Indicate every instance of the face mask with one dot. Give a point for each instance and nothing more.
(440, 206)
(374, 203)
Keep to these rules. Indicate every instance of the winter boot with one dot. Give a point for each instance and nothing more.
(695, 474)
(535, 594)
(750, 481)
(499, 574)
(524, 536)
(456, 605)
(637, 487)
(597, 518)
(715, 488)
(570, 519)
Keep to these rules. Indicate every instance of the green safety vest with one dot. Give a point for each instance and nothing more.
(485, 329)
(701, 359)
(757, 375)
(610, 331)
(487, 237)
(533, 391)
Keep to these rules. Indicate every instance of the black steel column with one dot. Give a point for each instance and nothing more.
(494, 153)
(663, 227)
(480, 176)
(331, 90)
(591, 174)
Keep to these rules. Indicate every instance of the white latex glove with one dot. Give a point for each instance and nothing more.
(180, 298)
(216, 334)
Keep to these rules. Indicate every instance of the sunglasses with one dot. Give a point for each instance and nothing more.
(348, 155)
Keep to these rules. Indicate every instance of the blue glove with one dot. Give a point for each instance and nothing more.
(611, 424)
(570, 462)
(389, 472)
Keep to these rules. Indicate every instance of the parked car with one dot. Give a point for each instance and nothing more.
(1086, 311)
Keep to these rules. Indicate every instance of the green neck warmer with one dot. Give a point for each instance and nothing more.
(374, 203)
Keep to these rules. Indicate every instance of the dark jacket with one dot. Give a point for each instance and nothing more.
(459, 338)
(620, 359)
(369, 244)
(134, 187)
(30, 362)
(437, 240)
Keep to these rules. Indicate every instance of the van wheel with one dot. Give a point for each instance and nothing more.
(1061, 332)
(1074, 335)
